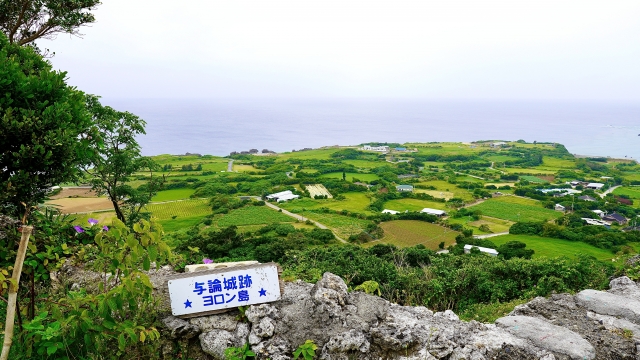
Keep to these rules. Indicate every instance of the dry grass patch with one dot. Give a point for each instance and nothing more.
(407, 233)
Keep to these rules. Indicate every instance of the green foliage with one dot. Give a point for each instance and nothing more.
(44, 126)
(117, 158)
(370, 287)
(239, 353)
(26, 21)
(113, 319)
(307, 350)
(513, 249)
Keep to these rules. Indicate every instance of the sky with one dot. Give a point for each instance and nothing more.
(449, 49)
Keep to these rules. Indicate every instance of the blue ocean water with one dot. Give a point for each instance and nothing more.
(219, 126)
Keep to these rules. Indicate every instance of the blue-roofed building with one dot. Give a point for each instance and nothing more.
(401, 149)
(408, 188)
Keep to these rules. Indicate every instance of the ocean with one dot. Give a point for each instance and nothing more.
(220, 126)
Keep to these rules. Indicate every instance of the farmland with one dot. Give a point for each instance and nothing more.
(252, 215)
(176, 194)
(515, 209)
(413, 205)
(354, 202)
(405, 233)
(179, 209)
(554, 247)
(350, 176)
(343, 226)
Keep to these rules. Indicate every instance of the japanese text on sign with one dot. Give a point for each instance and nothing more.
(223, 290)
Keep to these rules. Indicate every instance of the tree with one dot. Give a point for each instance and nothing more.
(44, 140)
(116, 158)
(24, 21)
(513, 249)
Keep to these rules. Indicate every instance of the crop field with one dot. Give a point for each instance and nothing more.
(252, 215)
(515, 209)
(322, 154)
(556, 163)
(495, 225)
(445, 148)
(528, 171)
(632, 176)
(169, 225)
(76, 205)
(343, 226)
(435, 193)
(354, 202)
(554, 247)
(533, 179)
(632, 192)
(500, 158)
(243, 168)
(174, 194)
(318, 190)
(365, 164)
(443, 186)
(413, 205)
(406, 233)
(351, 176)
(179, 209)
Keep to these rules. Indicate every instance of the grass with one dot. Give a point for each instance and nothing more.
(169, 225)
(631, 192)
(443, 186)
(488, 313)
(103, 217)
(406, 233)
(557, 163)
(354, 202)
(515, 209)
(528, 171)
(343, 226)
(365, 164)
(253, 215)
(494, 224)
(322, 154)
(350, 176)
(175, 194)
(548, 247)
(413, 205)
(180, 209)
(533, 179)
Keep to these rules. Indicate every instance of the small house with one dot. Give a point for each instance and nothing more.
(586, 198)
(498, 144)
(599, 213)
(492, 252)
(376, 148)
(615, 217)
(392, 212)
(404, 188)
(434, 212)
(282, 196)
(559, 207)
(595, 186)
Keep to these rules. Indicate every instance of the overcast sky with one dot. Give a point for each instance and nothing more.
(580, 50)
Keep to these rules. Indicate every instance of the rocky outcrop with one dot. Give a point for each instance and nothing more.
(590, 325)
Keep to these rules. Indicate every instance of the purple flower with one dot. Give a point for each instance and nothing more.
(207, 261)
(105, 228)
(92, 221)
(79, 229)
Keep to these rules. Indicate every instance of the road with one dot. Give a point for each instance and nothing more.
(302, 218)
(230, 166)
(473, 176)
(490, 235)
(609, 191)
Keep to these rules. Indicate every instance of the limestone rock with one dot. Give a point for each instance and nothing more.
(610, 304)
(226, 321)
(215, 342)
(548, 336)
(180, 328)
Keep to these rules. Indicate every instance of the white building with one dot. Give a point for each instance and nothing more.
(433, 212)
(492, 252)
(559, 207)
(283, 196)
(392, 212)
(599, 212)
(595, 186)
(498, 144)
(376, 148)
(596, 222)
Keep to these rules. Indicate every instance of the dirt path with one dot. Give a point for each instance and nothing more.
(230, 166)
(302, 218)
(469, 175)
(490, 235)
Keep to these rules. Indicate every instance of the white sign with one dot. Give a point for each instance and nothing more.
(224, 289)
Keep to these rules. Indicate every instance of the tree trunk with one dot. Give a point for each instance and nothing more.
(13, 292)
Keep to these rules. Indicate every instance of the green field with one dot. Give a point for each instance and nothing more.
(494, 224)
(180, 209)
(533, 179)
(444, 186)
(350, 176)
(515, 209)
(253, 215)
(556, 163)
(175, 194)
(343, 226)
(632, 192)
(365, 164)
(179, 223)
(413, 205)
(354, 202)
(528, 171)
(554, 247)
(406, 233)
(322, 154)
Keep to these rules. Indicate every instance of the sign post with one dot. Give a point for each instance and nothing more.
(215, 291)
